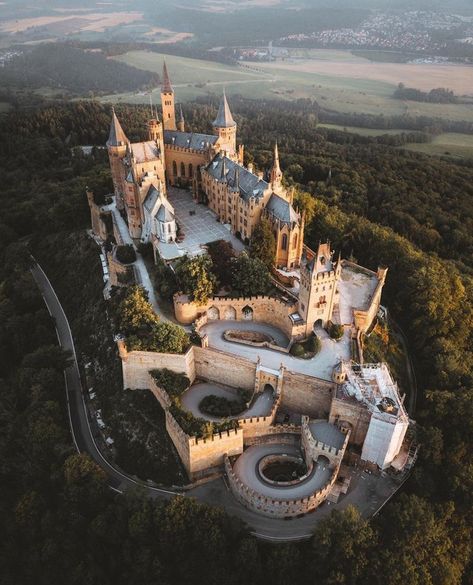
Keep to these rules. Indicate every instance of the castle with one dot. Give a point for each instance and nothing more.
(341, 410)
(209, 164)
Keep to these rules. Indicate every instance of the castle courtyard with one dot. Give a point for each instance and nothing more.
(198, 223)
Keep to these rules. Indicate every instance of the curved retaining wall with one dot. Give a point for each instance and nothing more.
(275, 508)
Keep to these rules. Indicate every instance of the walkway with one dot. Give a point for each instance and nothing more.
(246, 468)
(191, 399)
(320, 366)
(141, 272)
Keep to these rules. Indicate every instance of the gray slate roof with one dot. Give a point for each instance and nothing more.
(151, 198)
(224, 117)
(164, 214)
(250, 184)
(281, 209)
(117, 136)
(189, 139)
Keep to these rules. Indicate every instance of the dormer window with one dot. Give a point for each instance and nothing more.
(322, 260)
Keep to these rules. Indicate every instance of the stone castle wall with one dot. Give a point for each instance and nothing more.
(355, 414)
(274, 508)
(264, 309)
(307, 395)
(223, 368)
(136, 365)
(313, 449)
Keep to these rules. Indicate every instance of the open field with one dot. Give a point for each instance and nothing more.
(364, 131)
(196, 78)
(447, 144)
(459, 78)
(96, 22)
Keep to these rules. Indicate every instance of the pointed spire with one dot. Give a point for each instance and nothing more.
(181, 115)
(276, 173)
(117, 136)
(166, 86)
(224, 117)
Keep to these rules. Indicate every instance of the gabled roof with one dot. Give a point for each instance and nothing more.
(157, 204)
(189, 139)
(224, 117)
(117, 136)
(281, 209)
(166, 86)
(237, 177)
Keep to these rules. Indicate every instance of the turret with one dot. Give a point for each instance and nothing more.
(181, 125)
(225, 127)
(167, 101)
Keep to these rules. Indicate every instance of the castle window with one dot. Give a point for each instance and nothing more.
(294, 244)
(174, 168)
(284, 242)
(191, 170)
(183, 169)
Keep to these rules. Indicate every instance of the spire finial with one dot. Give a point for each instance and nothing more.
(166, 86)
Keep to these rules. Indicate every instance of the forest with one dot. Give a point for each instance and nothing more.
(73, 70)
(375, 203)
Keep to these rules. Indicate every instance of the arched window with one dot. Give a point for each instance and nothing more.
(183, 169)
(191, 170)
(294, 244)
(174, 168)
(284, 242)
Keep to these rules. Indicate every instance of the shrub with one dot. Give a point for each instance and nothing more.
(335, 331)
(313, 344)
(297, 350)
(221, 406)
(125, 254)
(174, 383)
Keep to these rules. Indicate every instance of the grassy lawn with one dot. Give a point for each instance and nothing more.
(363, 131)
(447, 144)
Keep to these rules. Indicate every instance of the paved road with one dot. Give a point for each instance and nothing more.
(82, 433)
(320, 366)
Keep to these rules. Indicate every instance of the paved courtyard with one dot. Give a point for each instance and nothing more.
(198, 223)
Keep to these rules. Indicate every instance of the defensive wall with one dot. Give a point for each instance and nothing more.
(363, 318)
(274, 508)
(313, 448)
(259, 308)
(299, 392)
(352, 413)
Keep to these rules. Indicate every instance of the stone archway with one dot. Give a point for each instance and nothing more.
(247, 313)
(213, 314)
(229, 314)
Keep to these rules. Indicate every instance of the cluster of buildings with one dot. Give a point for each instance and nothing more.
(409, 31)
(347, 411)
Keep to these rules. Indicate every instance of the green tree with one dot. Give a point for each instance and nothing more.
(250, 276)
(135, 312)
(263, 243)
(222, 254)
(196, 278)
(342, 548)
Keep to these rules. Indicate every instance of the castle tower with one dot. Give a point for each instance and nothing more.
(318, 293)
(117, 148)
(276, 173)
(181, 125)
(225, 127)
(167, 101)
